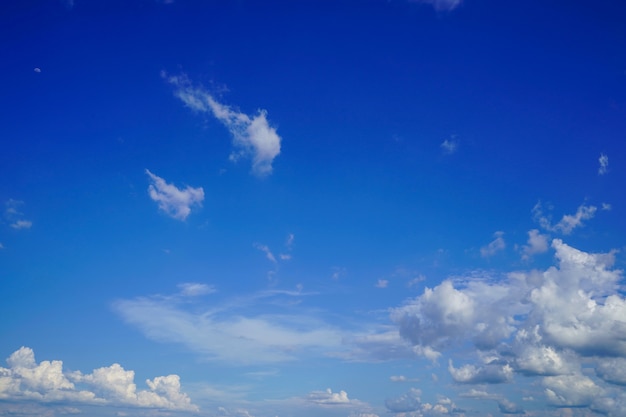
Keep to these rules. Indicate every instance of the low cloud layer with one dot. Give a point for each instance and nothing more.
(46, 382)
(253, 136)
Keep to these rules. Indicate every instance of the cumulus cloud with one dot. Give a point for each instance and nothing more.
(494, 246)
(252, 135)
(571, 390)
(558, 324)
(612, 370)
(486, 374)
(568, 223)
(537, 243)
(328, 397)
(37, 70)
(604, 164)
(410, 404)
(382, 283)
(175, 202)
(27, 380)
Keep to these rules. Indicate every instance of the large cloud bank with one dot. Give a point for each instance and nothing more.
(545, 324)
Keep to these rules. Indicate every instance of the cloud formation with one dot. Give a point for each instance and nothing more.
(543, 324)
(13, 214)
(175, 202)
(252, 135)
(235, 333)
(537, 243)
(494, 246)
(46, 382)
(604, 164)
(568, 222)
(449, 146)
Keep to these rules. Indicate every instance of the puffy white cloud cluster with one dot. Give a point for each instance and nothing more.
(536, 324)
(27, 380)
(328, 397)
(410, 404)
(252, 135)
(175, 202)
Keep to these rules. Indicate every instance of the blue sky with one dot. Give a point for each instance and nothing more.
(348, 208)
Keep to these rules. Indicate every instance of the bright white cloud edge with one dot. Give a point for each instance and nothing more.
(252, 135)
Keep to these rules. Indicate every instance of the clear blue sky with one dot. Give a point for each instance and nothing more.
(312, 208)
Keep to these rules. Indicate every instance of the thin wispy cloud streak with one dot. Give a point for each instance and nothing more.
(236, 333)
(252, 135)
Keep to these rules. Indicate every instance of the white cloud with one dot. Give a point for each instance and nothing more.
(22, 224)
(14, 216)
(402, 378)
(568, 223)
(486, 374)
(604, 164)
(252, 135)
(382, 283)
(266, 250)
(537, 243)
(26, 380)
(37, 70)
(449, 146)
(235, 333)
(328, 397)
(193, 289)
(571, 390)
(442, 5)
(612, 370)
(175, 202)
(494, 246)
(410, 405)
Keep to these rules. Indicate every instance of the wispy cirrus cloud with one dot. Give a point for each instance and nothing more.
(175, 202)
(234, 332)
(252, 135)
